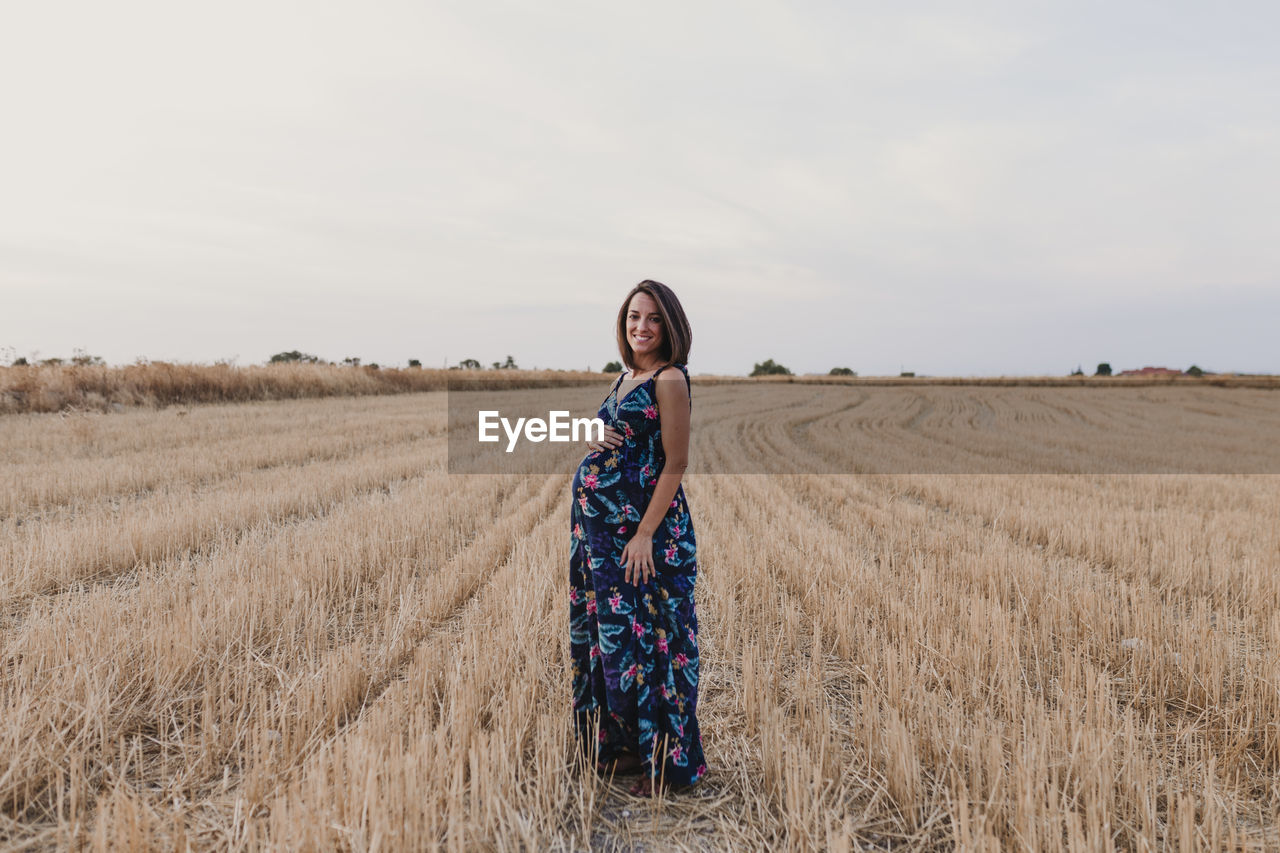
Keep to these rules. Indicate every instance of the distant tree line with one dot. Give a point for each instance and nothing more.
(1104, 369)
(79, 358)
(768, 367)
(472, 364)
(296, 357)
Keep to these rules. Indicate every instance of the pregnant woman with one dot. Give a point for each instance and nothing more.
(633, 632)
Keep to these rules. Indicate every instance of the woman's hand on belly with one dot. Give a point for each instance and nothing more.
(612, 439)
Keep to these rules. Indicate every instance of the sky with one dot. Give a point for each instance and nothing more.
(1004, 189)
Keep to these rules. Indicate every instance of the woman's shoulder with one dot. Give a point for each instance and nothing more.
(666, 374)
(670, 383)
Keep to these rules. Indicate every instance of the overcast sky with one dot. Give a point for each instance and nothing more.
(1014, 188)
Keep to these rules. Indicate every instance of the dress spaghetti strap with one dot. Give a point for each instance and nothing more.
(688, 384)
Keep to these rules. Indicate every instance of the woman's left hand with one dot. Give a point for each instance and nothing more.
(637, 559)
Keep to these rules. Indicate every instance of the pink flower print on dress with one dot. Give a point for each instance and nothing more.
(637, 628)
(676, 752)
(627, 430)
(577, 531)
(682, 660)
(573, 596)
(670, 553)
(632, 670)
(622, 529)
(590, 481)
(601, 736)
(614, 601)
(662, 647)
(673, 504)
(591, 605)
(650, 412)
(582, 501)
(595, 651)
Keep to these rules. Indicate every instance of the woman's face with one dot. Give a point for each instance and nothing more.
(644, 325)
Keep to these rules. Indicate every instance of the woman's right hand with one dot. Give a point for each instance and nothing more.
(612, 439)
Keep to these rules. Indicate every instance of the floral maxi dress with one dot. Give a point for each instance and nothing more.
(634, 649)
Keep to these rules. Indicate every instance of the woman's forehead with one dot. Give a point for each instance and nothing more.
(643, 302)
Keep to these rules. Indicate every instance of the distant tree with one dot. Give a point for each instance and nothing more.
(293, 355)
(352, 361)
(20, 361)
(509, 364)
(469, 364)
(1079, 371)
(373, 365)
(1104, 369)
(768, 368)
(413, 362)
(907, 373)
(1195, 371)
(612, 367)
(842, 371)
(83, 359)
(51, 362)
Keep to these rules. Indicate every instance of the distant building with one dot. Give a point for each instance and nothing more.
(1151, 371)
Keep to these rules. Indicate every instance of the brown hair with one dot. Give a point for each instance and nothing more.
(677, 337)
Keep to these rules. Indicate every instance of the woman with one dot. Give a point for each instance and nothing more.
(633, 631)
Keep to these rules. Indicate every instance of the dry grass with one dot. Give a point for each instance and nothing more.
(55, 388)
(101, 388)
(283, 626)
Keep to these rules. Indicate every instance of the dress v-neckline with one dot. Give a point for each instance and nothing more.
(618, 401)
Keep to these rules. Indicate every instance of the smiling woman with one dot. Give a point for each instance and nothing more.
(633, 630)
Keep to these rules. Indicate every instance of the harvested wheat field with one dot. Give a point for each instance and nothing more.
(285, 625)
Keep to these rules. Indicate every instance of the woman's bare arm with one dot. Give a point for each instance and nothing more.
(673, 414)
